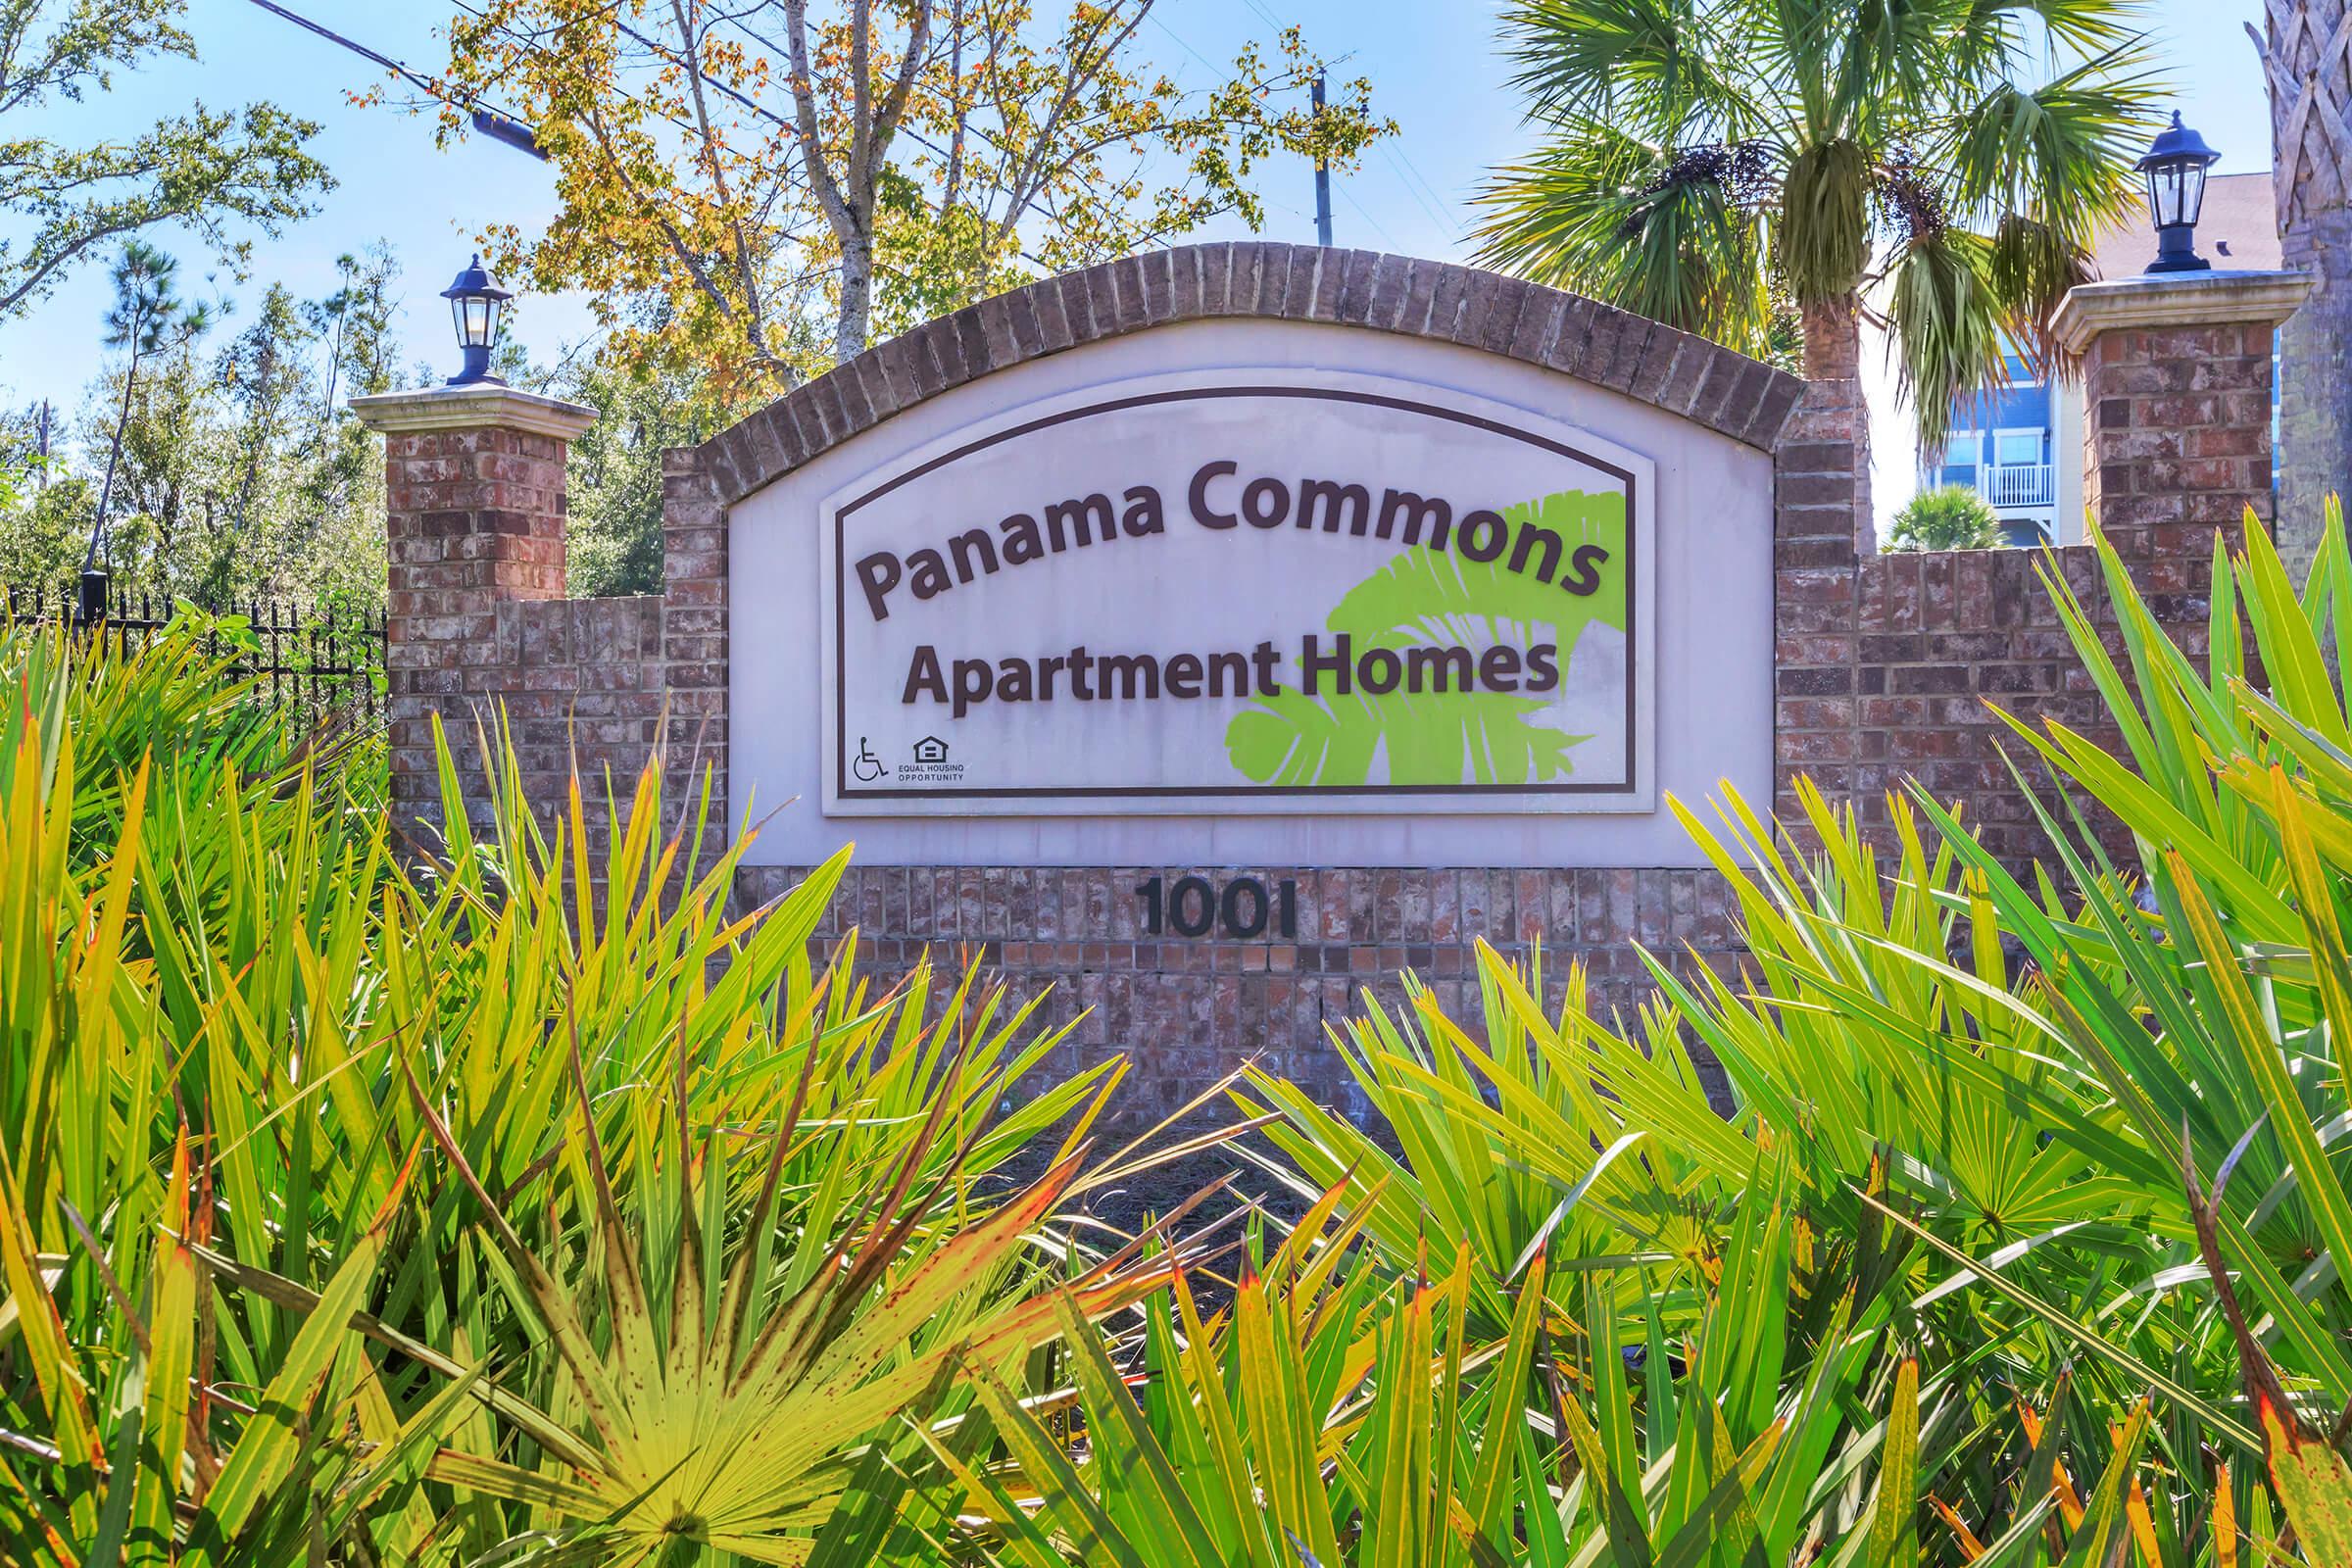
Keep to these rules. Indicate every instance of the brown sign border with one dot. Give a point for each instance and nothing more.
(841, 516)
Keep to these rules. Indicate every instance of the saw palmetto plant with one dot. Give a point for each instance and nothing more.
(739, 1420)
(380, 1212)
(2015, 1088)
(1336, 1415)
(534, 1201)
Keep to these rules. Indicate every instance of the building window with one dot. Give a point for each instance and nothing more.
(1961, 454)
(2020, 473)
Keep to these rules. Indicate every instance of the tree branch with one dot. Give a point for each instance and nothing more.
(746, 275)
(804, 103)
(910, 65)
(1024, 183)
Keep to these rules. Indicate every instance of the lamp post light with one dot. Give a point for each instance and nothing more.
(2174, 171)
(477, 305)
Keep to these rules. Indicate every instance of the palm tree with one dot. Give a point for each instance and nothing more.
(2311, 175)
(148, 318)
(1719, 163)
(1953, 517)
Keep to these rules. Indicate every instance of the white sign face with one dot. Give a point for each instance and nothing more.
(1278, 591)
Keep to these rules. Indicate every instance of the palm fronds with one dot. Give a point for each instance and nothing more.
(538, 1203)
(1945, 165)
(338, 1195)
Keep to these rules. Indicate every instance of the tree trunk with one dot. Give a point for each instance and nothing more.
(857, 297)
(334, 366)
(2304, 55)
(114, 453)
(1836, 410)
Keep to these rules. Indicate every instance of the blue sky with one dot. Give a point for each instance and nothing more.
(1433, 63)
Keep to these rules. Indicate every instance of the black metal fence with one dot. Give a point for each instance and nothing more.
(295, 655)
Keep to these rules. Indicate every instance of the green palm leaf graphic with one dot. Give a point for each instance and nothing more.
(1439, 596)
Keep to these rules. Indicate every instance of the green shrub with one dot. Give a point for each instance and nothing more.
(1952, 517)
(355, 1211)
(2082, 1149)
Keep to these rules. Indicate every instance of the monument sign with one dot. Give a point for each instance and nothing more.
(1252, 589)
(1245, 592)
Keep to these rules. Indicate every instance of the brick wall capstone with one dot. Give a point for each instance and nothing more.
(1713, 386)
(2177, 373)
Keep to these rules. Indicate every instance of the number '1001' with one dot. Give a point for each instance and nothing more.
(1241, 908)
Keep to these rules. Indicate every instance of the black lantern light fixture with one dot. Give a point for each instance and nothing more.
(2174, 171)
(477, 305)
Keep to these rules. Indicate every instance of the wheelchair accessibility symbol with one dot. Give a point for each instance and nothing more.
(866, 765)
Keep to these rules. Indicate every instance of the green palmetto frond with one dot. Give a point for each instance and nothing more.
(1834, 64)
(1338, 1416)
(721, 1393)
(2062, 151)
(1419, 1070)
(1602, 215)
(2087, 26)
(1822, 242)
(1656, 69)
(1995, 113)
(1947, 318)
(2206, 990)
(198, 909)
(2031, 268)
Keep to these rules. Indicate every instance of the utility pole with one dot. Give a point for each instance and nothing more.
(44, 430)
(1322, 178)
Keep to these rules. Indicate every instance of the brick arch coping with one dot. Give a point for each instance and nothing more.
(1712, 386)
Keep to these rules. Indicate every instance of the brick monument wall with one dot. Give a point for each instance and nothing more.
(478, 627)
(1890, 668)
(1885, 665)
(1185, 1011)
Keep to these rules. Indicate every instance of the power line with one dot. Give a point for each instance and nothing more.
(513, 131)
(730, 88)
(1396, 164)
(489, 120)
(538, 48)
(1406, 159)
(1322, 218)
(360, 49)
(1180, 42)
(1266, 15)
(1323, 177)
(1363, 213)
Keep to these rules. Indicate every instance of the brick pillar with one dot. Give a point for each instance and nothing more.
(694, 627)
(1834, 407)
(2177, 410)
(475, 518)
(1819, 517)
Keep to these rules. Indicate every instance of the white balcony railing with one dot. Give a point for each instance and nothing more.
(2024, 484)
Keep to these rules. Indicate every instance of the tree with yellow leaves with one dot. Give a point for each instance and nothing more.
(757, 189)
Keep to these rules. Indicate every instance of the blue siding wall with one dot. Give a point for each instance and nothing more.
(2019, 406)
